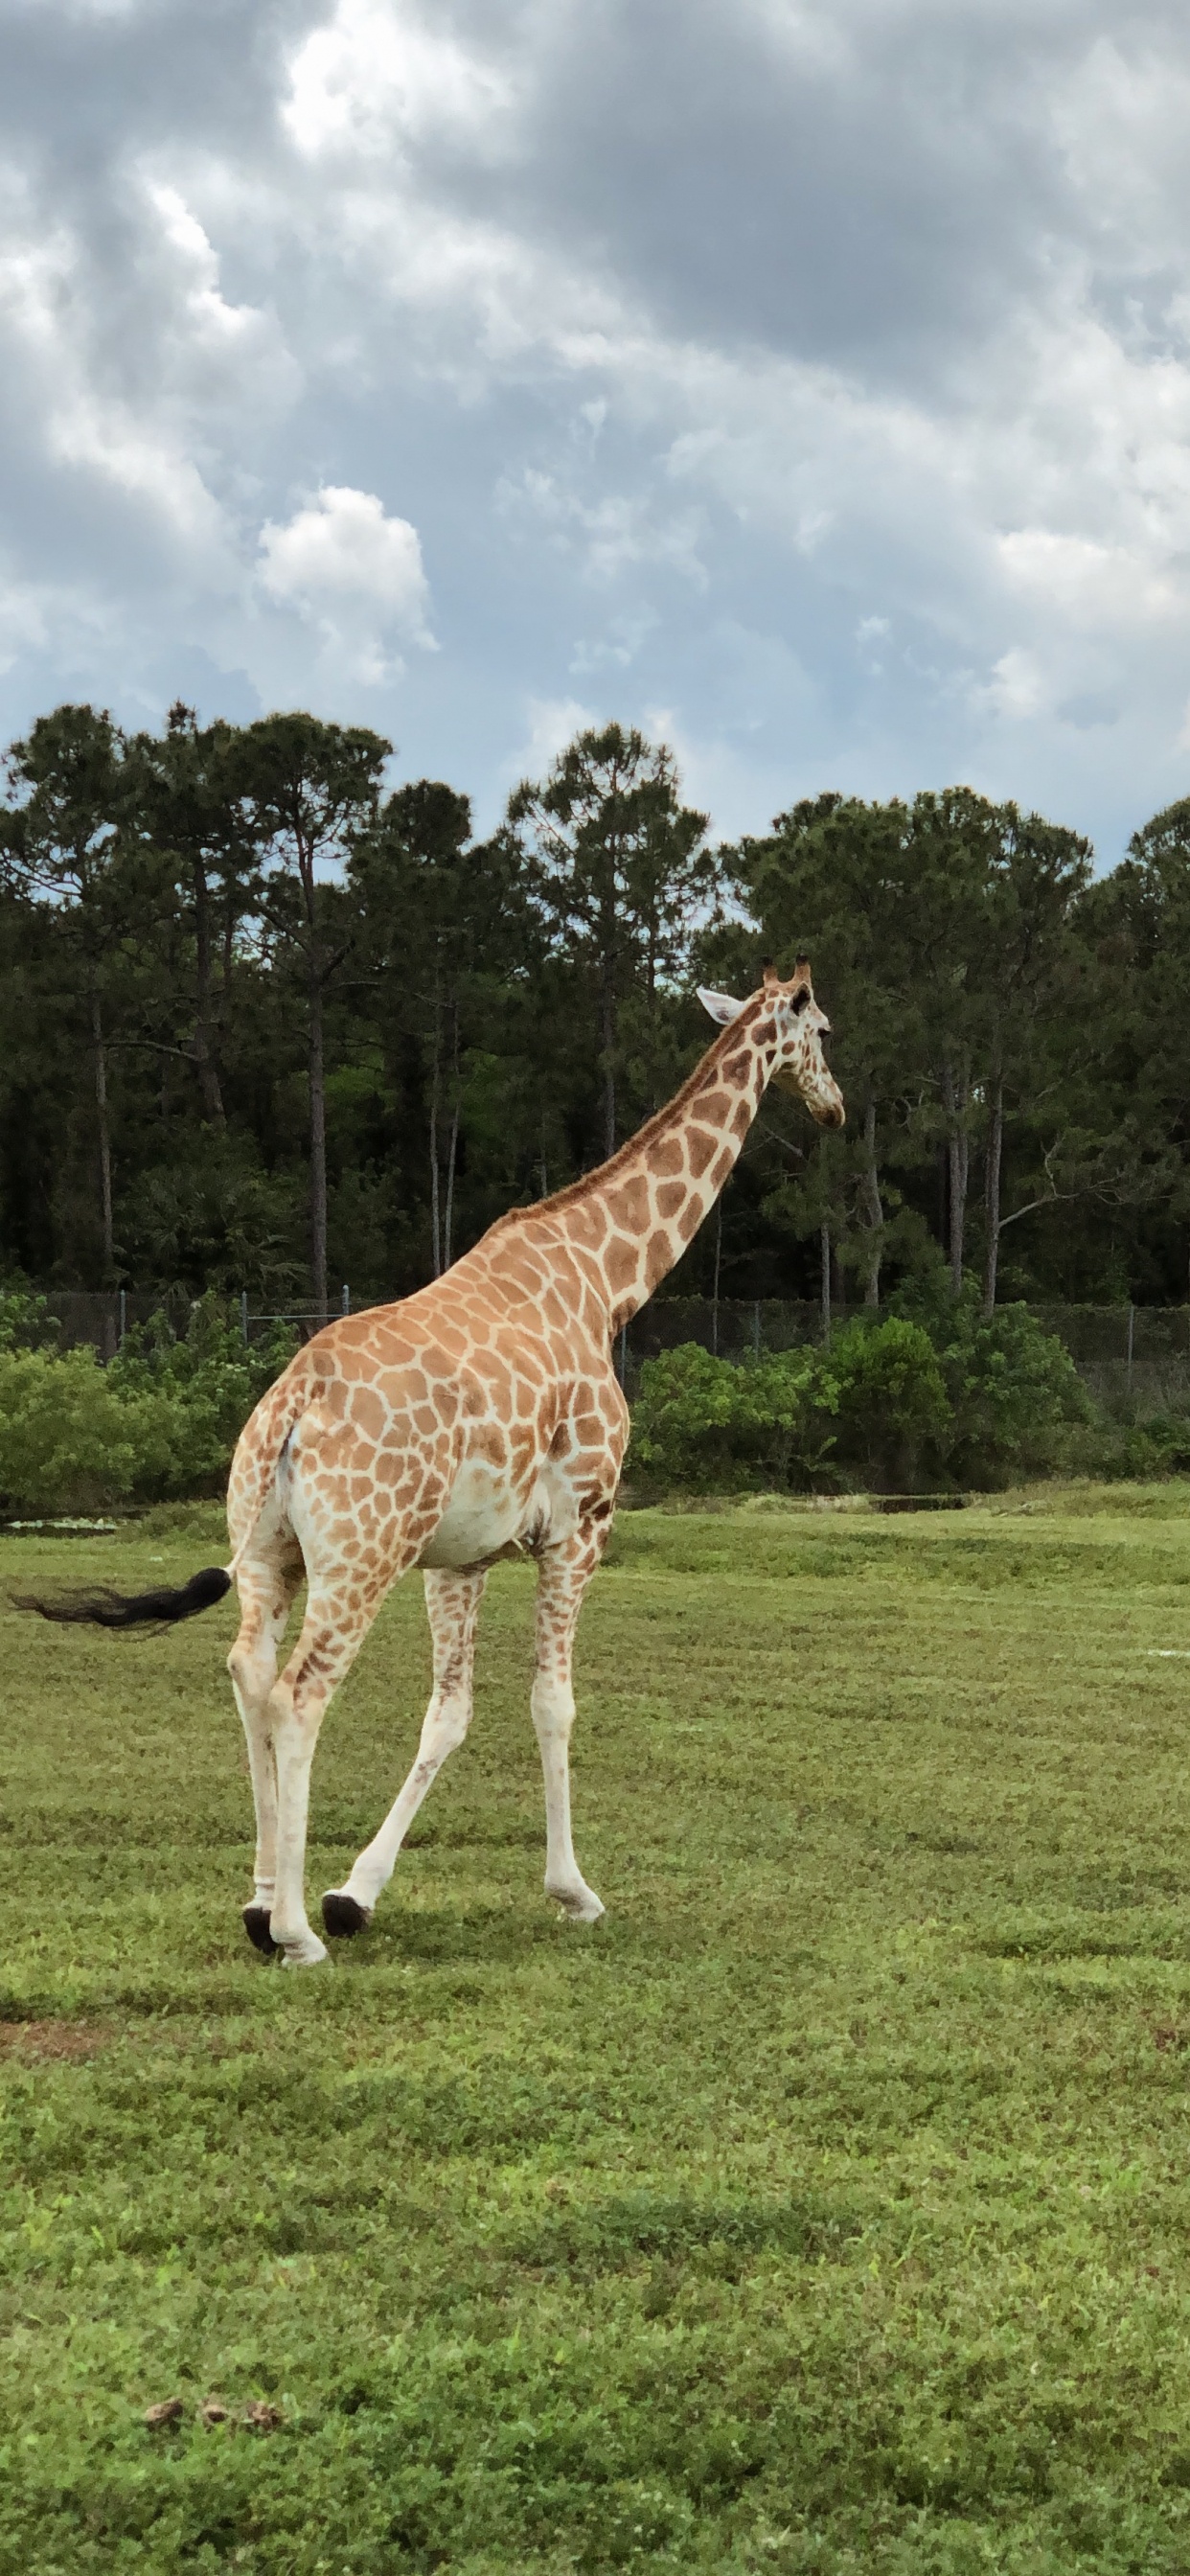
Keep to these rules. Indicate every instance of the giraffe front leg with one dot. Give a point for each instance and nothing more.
(565, 1573)
(452, 1605)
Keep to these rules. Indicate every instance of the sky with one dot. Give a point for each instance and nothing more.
(805, 381)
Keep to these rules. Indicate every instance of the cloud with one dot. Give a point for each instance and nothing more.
(812, 372)
(550, 724)
(355, 574)
(377, 73)
(607, 534)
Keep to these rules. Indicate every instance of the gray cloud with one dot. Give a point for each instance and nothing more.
(810, 380)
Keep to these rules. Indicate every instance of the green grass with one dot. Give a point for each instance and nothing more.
(826, 2208)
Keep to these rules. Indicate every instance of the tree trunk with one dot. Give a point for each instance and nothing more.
(435, 1107)
(452, 1149)
(103, 1124)
(448, 1211)
(607, 1048)
(872, 1207)
(954, 1096)
(992, 1193)
(824, 1244)
(317, 1150)
(229, 948)
(651, 988)
(208, 1077)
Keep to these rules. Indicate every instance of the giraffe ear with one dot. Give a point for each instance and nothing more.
(721, 1006)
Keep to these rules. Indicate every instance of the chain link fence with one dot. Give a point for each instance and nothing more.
(1125, 1355)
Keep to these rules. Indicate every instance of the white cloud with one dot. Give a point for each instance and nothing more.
(1017, 687)
(688, 333)
(550, 724)
(355, 574)
(1079, 577)
(377, 74)
(85, 423)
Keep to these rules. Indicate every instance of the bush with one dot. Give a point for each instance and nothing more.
(67, 1442)
(898, 1405)
(1013, 1390)
(209, 1383)
(887, 1394)
(1113, 1451)
(873, 1404)
(701, 1423)
(24, 1322)
(160, 1421)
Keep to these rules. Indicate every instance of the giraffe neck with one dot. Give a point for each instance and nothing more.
(633, 1218)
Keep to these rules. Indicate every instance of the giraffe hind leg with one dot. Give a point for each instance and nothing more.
(337, 1621)
(268, 1582)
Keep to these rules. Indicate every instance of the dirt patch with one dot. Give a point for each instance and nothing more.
(60, 2039)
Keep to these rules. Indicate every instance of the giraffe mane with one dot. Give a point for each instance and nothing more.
(720, 1046)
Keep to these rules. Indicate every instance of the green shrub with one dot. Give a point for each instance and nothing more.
(209, 1381)
(899, 1405)
(872, 1405)
(683, 1421)
(24, 1322)
(1013, 1390)
(1113, 1451)
(702, 1423)
(160, 1421)
(68, 1443)
(893, 1417)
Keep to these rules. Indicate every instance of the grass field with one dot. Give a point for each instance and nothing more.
(826, 2208)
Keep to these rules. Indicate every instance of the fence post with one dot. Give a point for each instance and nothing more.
(244, 1317)
(346, 1298)
(123, 1318)
(1131, 1334)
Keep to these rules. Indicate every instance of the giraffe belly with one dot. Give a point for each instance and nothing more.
(483, 1516)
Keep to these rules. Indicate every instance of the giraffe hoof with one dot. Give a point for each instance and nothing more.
(306, 1952)
(256, 1925)
(342, 1916)
(578, 1904)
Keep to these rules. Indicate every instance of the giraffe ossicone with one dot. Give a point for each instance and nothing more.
(479, 1418)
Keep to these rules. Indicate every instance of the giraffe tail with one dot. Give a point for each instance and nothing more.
(276, 1417)
(109, 1609)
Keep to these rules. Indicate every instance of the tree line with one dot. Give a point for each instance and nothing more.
(271, 1023)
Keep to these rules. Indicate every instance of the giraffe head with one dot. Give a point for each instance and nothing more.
(785, 1022)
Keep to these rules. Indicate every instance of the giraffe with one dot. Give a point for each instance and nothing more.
(478, 1419)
